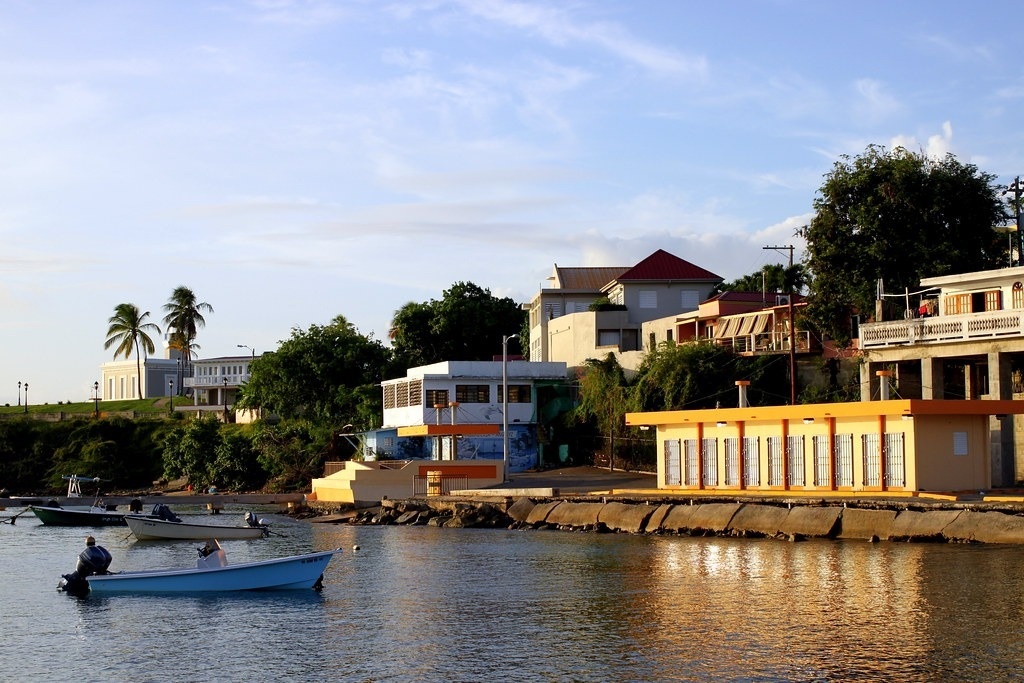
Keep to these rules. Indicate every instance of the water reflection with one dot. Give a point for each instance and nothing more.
(441, 605)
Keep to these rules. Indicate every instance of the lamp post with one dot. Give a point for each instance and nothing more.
(504, 404)
(26, 397)
(170, 396)
(225, 400)
(245, 346)
(19, 394)
(96, 398)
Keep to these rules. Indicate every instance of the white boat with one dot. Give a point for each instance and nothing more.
(212, 573)
(158, 526)
(96, 514)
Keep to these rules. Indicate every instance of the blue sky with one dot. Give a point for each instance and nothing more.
(294, 161)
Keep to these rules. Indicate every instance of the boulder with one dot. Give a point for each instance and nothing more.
(985, 527)
(624, 517)
(867, 525)
(812, 522)
(657, 517)
(539, 514)
(713, 517)
(521, 509)
(678, 519)
(575, 515)
(911, 525)
(758, 520)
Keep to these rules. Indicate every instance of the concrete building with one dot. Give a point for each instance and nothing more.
(961, 338)
(447, 418)
(878, 447)
(564, 329)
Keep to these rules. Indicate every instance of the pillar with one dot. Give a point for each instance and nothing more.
(931, 378)
(1006, 468)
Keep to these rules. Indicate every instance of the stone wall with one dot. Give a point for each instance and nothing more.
(737, 519)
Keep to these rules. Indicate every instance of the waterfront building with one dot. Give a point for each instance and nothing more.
(450, 414)
(960, 337)
(882, 447)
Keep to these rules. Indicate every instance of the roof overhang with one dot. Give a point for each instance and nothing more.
(859, 409)
(451, 430)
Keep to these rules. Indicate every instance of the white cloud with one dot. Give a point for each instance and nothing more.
(936, 147)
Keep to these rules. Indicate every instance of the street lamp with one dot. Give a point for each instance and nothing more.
(96, 398)
(504, 406)
(170, 396)
(244, 346)
(225, 400)
(26, 397)
(19, 394)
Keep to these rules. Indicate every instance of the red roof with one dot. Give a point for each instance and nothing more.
(662, 265)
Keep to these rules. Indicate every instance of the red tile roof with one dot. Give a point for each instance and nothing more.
(662, 265)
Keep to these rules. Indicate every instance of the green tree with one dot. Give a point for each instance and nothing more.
(189, 451)
(467, 323)
(324, 373)
(602, 399)
(184, 318)
(292, 453)
(773, 278)
(703, 375)
(896, 216)
(129, 331)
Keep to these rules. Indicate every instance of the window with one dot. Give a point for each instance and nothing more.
(517, 393)
(689, 299)
(437, 397)
(993, 300)
(389, 396)
(416, 392)
(607, 337)
(552, 310)
(472, 393)
(957, 304)
(648, 299)
(1018, 295)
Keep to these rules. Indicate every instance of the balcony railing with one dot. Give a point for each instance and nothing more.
(942, 329)
(214, 381)
(766, 342)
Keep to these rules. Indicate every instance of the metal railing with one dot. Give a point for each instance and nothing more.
(448, 483)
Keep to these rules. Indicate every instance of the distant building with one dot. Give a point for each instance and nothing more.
(564, 329)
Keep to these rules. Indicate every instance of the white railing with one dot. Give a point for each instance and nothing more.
(766, 342)
(943, 328)
(213, 381)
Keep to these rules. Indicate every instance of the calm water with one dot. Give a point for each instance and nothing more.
(422, 604)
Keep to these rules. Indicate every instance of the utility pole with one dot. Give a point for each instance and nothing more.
(792, 325)
(1016, 190)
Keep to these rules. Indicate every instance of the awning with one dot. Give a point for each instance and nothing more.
(761, 323)
(726, 327)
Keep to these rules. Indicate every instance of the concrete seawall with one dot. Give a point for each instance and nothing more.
(738, 519)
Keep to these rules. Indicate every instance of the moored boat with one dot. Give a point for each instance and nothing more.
(212, 573)
(160, 525)
(96, 514)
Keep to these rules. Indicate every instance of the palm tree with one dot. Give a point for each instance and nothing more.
(184, 318)
(129, 330)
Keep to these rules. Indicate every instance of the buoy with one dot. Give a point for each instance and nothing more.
(355, 547)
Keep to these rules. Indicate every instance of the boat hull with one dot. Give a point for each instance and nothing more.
(149, 528)
(286, 573)
(55, 516)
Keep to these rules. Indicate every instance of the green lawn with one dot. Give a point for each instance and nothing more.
(148, 405)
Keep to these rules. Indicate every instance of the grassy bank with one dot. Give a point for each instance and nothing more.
(85, 408)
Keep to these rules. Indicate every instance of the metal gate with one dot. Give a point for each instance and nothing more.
(672, 464)
(775, 456)
(872, 459)
(844, 459)
(732, 461)
(690, 462)
(895, 460)
(795, 453)
(709, 450)
(820, 446)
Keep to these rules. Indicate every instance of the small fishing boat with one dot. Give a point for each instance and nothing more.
(164, 524)
(212, 573)
(96, 514)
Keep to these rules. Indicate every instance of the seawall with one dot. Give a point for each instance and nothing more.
(948, 523)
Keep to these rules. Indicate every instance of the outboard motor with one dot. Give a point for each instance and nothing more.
(93, 560)
(161, 511)
(252, 521)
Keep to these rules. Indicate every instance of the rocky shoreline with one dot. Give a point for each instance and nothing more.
(950, 523)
